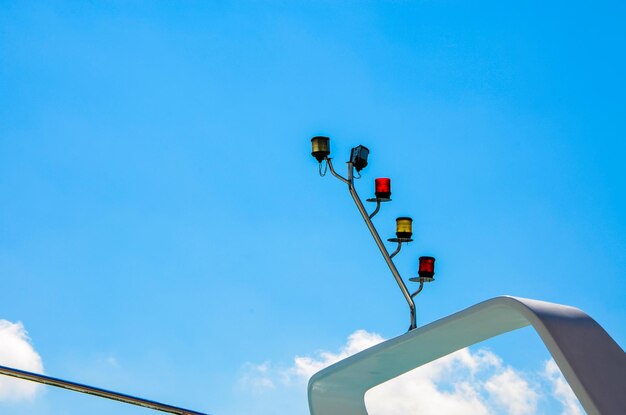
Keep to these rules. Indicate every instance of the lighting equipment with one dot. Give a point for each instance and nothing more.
(426, 270)
(404, 228)
(358, 157)
(321, 148)
(382, 191)
(382, 188)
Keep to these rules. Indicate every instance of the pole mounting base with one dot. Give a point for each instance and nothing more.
(401, 240)
(421, 279)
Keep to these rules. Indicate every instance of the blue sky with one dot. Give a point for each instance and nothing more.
(163, 227)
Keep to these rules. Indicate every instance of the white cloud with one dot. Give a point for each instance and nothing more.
(464, 382)
(561, 389)
(16, 351)
(112, 361)
(422, 390)
(257, 377)
(305, 367)
(512, 392)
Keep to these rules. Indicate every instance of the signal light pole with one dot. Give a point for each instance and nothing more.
(358, 160)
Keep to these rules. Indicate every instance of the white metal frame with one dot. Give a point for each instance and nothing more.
(590, 360)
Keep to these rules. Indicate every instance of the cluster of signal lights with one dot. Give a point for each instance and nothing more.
(382, 191)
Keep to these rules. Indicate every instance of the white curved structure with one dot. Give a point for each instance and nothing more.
(591, 361)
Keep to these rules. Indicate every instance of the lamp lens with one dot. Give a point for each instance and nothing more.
(404, 227)
(382, 187)
(426, 267)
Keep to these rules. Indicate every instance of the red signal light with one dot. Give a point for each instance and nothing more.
(382, 188)
(426, 267)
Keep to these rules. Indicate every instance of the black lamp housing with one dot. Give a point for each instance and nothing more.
(358, 157)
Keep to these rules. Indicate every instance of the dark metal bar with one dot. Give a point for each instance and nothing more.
(375, 210)
(394, 253)
(419, 290)
(90, 390)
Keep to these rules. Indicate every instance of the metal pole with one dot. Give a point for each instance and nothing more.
(396, 275)
(90, 390)
(334, 173)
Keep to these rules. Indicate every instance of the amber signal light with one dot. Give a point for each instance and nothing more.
(320, 146)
